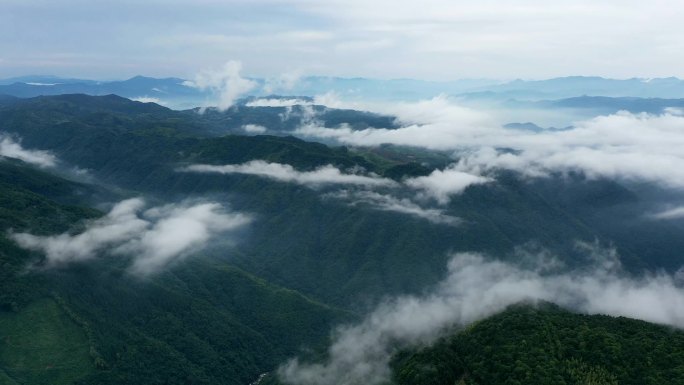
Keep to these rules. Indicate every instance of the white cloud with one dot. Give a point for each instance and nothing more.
(285, 82)
(226, 83)
(438, 40)
(475, 288)
(400, 205)
(286, 173)
(13, 149)
(155, 237)
(254, 128)
(439, 185)
(280, 102)
(673, 213)
(119, 225)
(442, 184)
(630, 146)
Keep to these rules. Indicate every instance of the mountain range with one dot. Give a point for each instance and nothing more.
(147, 245)
(180, 93)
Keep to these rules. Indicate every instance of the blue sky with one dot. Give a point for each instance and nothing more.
(430, 39)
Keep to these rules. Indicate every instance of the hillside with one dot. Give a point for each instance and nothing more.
(547, 345)
(179, 328)
(326, 233)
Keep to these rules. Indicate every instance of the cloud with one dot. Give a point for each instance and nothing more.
(155, 237)
(279, 102)
(673, 213)
(441, 184)
(226, 83)
(286, 173)
(400, 205)
(388, 39)
(254, 128)
(12, 149)
(642, 147)
(285, 82)
(475, 288)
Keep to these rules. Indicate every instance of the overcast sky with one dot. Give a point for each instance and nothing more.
(427, 39)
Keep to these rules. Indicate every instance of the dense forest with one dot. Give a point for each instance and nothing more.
(309, 261)
(543, 344)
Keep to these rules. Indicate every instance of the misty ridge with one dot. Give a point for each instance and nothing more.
(477, 287)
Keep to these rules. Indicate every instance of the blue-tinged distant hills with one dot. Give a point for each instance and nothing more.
(567, 87)
(176, 93)
(169, 91)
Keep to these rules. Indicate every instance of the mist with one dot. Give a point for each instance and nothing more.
(285, 173)
(624, 145)
(11, 148)
(476, 287)
(280, 102)
(386, 202)
(225, 83)
(439, 186)
(154, 237)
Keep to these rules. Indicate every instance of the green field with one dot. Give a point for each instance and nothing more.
(41, 345)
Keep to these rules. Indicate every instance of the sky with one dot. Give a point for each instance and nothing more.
(430, 40)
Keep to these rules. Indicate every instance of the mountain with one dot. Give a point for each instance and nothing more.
(546, 345)
(314, 255)
(170, 90)
(572, 86)
(176, 93)
(196, 325)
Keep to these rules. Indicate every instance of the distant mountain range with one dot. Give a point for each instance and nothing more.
(176, 93)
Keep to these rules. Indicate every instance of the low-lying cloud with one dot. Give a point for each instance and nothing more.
(442, 184)
(387, 202)
(225, 83)
(439, 186)
(254, 128)
(12, 149)
(154, 237)
(285, 173)
(278, 102)
(672, 213)
(632, 146)
(475, 288)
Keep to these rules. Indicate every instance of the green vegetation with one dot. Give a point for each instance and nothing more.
(41, 345)
(205, 323)
(547, 345)
(308, 263)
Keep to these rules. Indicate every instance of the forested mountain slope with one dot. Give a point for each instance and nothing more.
(313, 254)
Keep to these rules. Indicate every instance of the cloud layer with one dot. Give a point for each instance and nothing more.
(153, 237)
(12, 149)
(439, 186)
(387, 202)
(641, 147)
(283, 172)
(280, 102)
(442, 184)
(385, 39)
(672, 213)
(475, 288)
